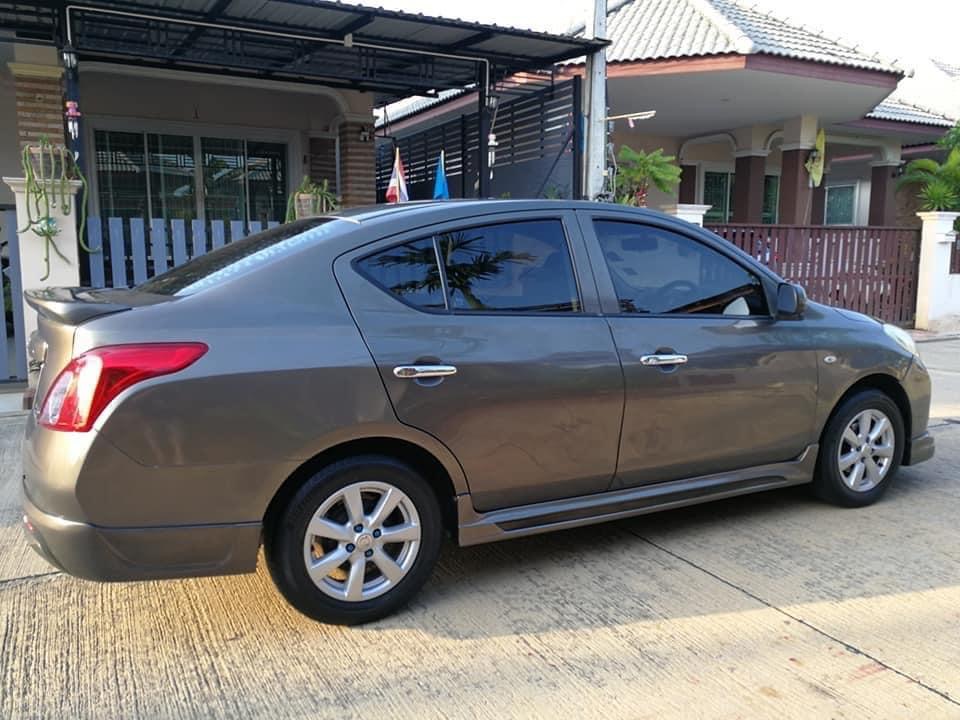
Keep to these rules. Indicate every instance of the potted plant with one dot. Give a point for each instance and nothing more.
(311, 199)
(49, 171)
(639, 170)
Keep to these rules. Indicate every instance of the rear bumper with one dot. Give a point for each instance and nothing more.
(921, 448)
(97, 553)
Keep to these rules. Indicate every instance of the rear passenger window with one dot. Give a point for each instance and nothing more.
(410, 272)
(514, 266)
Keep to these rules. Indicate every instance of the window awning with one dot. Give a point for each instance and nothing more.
(393, 54)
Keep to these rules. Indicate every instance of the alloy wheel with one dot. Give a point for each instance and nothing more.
(866, 450)
(362, 541)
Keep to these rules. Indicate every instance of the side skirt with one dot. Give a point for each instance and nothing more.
(476, 528)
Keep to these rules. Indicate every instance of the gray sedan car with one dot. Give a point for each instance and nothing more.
(344, 390)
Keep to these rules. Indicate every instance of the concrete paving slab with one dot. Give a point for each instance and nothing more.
(581, 624)
(884, 579)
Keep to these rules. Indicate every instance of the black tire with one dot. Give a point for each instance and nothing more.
(828, 482)
(286, 532)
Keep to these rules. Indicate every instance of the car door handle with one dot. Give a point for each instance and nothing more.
(665, 359)
(413, 372)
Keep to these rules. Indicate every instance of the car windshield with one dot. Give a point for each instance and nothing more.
(239, 257)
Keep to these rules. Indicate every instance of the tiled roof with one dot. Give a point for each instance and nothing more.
(663, 29)
(951, 69)
(893, 109)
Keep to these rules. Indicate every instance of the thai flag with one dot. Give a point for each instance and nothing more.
(397, 189)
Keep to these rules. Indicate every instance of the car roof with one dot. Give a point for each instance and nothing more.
(468, 206)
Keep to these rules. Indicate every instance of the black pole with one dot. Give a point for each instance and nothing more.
(577, 138)
(73, 124)
(483, 147)
(71, 100)
(464, 157)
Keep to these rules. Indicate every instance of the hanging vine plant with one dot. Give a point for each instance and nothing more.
(48, 170)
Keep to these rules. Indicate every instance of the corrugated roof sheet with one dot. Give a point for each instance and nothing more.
(663, 29)
(893, 109)
(413, 105)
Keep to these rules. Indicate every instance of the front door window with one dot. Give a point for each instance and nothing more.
(659, 272)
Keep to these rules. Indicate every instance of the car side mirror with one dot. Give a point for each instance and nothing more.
(791, 301)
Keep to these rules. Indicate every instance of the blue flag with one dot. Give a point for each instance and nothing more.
(440, 189)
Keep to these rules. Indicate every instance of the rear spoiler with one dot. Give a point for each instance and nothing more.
(72, 306)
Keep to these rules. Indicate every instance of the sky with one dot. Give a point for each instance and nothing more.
(915, 29)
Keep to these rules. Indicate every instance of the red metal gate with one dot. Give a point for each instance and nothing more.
(872, 270)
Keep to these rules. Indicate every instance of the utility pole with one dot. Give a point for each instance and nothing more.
(595, 89)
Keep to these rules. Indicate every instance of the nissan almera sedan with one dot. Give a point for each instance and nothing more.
(345, 390)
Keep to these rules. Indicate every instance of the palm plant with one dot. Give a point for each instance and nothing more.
(939, 182)
(951, 139)
(639, 170)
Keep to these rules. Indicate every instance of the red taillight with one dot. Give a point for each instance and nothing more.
(91, 380)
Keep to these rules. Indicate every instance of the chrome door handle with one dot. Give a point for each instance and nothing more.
(413, 372)
(663, 359)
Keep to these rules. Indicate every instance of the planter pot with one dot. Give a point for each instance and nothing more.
(308, 205)
(49, 167)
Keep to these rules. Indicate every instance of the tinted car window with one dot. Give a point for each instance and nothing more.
(515, 266)
(410, 272)
(659, 271)
(238, 257)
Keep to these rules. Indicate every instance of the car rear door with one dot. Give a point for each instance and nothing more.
(487, 335)
(713, 382)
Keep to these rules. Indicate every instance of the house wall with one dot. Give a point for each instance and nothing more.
(306, 117)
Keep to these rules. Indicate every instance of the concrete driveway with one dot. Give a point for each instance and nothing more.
(770, 606)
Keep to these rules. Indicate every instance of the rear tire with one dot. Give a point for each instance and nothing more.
(860, 450)
(356, 541)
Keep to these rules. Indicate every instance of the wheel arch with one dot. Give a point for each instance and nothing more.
(442, 482)
(889, 386)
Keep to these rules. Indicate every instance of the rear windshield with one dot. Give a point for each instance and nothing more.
(239, 257)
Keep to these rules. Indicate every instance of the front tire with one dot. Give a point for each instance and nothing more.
(860, 450)
(356, 541)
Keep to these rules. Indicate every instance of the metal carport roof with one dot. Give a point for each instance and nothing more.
(392, 53)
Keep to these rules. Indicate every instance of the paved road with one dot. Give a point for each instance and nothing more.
(769, 606)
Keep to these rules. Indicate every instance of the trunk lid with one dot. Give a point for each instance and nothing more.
(59, 312)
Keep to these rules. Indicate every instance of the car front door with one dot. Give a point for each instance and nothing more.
(713, 381)
(487, 335)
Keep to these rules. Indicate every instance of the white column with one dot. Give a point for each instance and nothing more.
(33, 266)
(691, 213)
(595, 91)
(938, 292)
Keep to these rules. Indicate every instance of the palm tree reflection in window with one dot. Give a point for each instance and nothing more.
(418, 276)
(468, 261)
